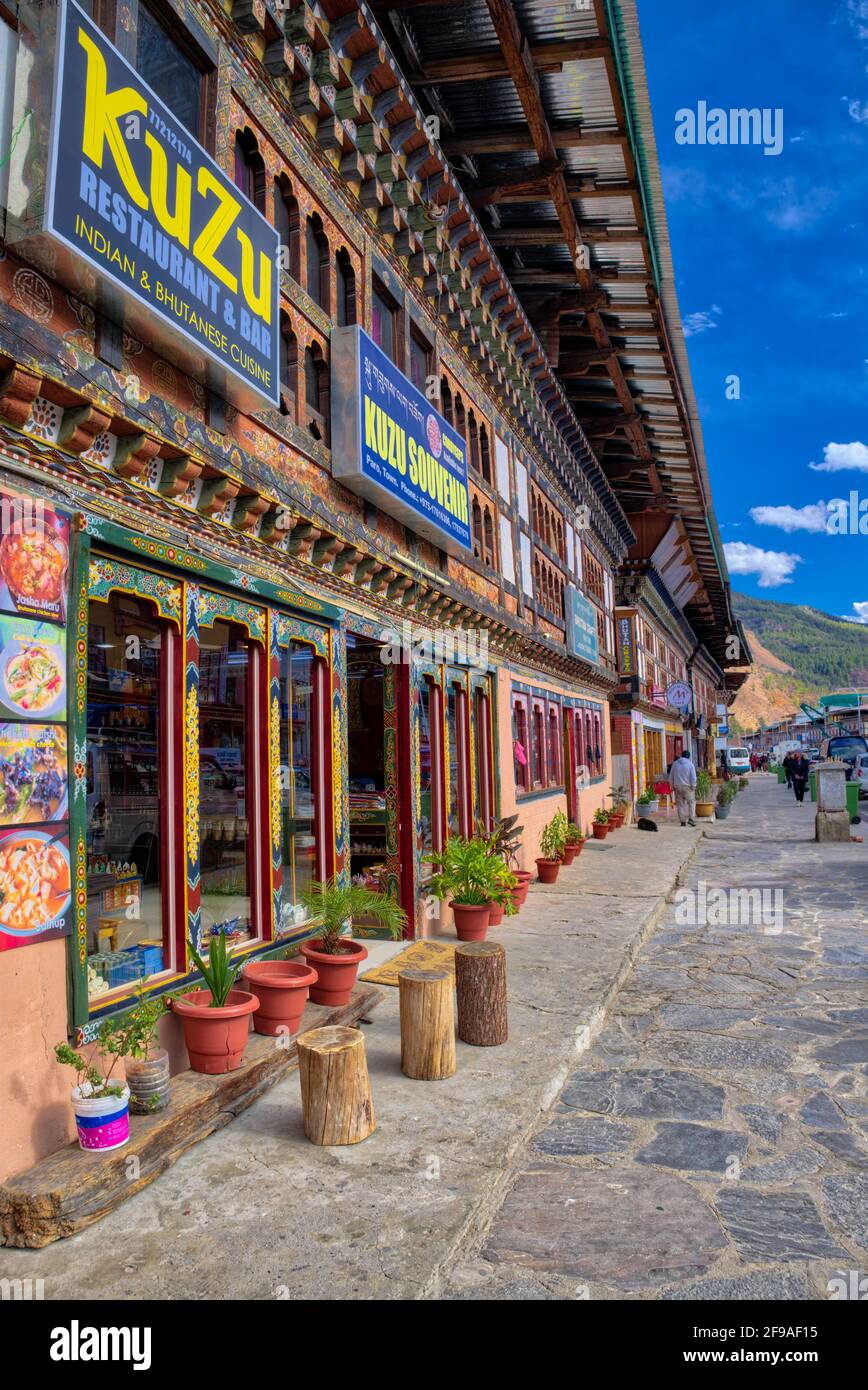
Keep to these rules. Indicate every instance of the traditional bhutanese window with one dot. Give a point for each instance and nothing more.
(484, 454)
(538, 738)
(457, 734)
(473, 440)
(483, 813)
(599, 752)
(521, 749)
(288, 367)
(384, 321)
(489, 552)
(589, 744)
(581, 742)
(288, 224)
(446, 400)
(231, 731)
(249, 172)
(476, 527)
(555, 748)
(303, 725)
(316, 392)
(420, 360)
(345, 283)
(134, 854)
(431, 778)
(172, 65)
(318, 261)
(460, 417)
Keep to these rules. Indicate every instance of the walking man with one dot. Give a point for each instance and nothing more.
(683, 779)
(788, 768)
(800, 771)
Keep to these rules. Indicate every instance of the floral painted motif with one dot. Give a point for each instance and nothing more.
(274, 750)
(44, 420)
(191, 775)
(213, 606)
(108, 575)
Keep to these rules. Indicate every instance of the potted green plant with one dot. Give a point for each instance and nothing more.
(216, 1019)
(551, 843)
(743, 782)
(335, 905)
(704, 796)
(469, 875)
(502, 901)
(506, 841)
(575, 842)
(723, 802)
(146, 1064)
(647, 803)
(620, 800)
(600, 825)
(101, 1105)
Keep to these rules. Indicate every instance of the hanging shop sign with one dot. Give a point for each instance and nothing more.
(391, 446)
(679, 695)
(582, 639)
(626, 647)
(136, 198)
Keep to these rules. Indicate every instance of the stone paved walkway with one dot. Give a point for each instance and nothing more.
(712, 1143)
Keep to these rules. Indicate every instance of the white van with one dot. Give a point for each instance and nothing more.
(737, 760)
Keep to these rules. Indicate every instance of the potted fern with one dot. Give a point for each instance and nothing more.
(336, 958)
(600, 824)
(470, 876)
(506, 840)
(552, 842)
(216, 1019)
(620, 800)
(502, 901)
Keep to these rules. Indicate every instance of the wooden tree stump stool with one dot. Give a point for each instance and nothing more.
(480, 982)
(427, 1024)
(335, 1088)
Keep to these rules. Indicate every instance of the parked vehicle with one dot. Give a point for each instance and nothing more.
(860, 773)
(845, 748)
(737, 760)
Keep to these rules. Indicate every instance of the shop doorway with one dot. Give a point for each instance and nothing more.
(378, 773)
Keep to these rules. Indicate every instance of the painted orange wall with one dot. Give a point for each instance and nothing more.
(34, 1089)
(535, 812)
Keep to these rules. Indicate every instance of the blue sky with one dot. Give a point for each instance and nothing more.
(771, 264)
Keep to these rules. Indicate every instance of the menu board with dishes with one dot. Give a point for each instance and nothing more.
(32, 669)
(34, 559)
(35, 885)
(35, 874)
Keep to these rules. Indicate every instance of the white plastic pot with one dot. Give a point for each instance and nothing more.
(647, 808)
(103, 1122)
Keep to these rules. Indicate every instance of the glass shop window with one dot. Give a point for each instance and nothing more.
(454, 817)
(299, 778)
(130, 699)
(225, 729)
(539, 744)
(170, 67)
(520, 744)
(427, 748)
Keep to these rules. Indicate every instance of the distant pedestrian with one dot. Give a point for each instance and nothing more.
(800, 771)
(682, 775)
(754, 762)
(787, 766)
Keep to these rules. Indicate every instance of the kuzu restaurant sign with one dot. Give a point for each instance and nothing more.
(390, 445)
(133, 195)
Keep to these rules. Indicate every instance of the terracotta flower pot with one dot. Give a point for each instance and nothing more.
(577, 846)
(495, 914)
(518, 895)
(548, 870)
(569, 854)
(523, 875)
(471, 920)
(281, 987)
(600, 831)
(616, 820)
(216, 1038)
(337, 973)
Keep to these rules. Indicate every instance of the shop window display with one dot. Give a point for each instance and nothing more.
(128, 698)
(299, 793)
(225, 684)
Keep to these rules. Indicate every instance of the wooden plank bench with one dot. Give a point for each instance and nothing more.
(71, 1189)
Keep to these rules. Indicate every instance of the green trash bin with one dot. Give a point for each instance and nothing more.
(782, 776)
(852, 798)
(813, 786)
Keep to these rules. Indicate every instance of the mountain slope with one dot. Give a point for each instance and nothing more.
(799, 654)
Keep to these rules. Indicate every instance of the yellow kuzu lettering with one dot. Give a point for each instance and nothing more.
(259, 303)
(176, 224)
(216, 228)
(102, 112)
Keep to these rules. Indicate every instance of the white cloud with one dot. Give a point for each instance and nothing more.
(701, 320)
(774, 567)
(837, 457)
(857, 110)
(812, 517)
(859, 614)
